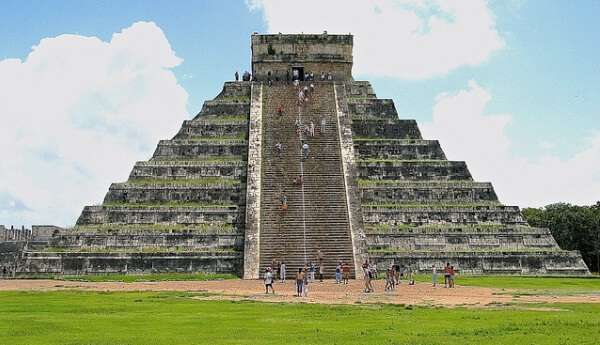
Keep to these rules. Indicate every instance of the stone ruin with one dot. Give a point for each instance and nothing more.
(210, 199)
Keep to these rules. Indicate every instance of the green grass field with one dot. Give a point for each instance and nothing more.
(86, 317)
(527, 284)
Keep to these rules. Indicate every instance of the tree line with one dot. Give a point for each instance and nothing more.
(574, 228)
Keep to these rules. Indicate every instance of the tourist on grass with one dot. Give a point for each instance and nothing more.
(269, 281)
(299, 282)
(434, 273)
(447, 271)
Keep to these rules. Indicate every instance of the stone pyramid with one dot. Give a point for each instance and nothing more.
(211, 199)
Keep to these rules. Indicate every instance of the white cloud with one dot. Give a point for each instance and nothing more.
(410, 39)
(76, 115)
(548, 145)
(467, 134)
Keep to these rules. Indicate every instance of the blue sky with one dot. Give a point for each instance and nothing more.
(89, 87)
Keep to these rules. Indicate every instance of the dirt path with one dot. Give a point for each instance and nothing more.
(324, 293)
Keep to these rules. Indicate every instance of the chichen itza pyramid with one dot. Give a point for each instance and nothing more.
(210, 199)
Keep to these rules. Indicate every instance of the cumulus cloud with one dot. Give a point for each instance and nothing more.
(76, 114)
(410, 39)
(466, 133)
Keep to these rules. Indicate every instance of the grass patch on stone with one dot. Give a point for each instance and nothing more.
(133, 251)
(201, 160)
(225, 117)
(238, 138)
(168, 204)
(180, 182)
(150, 277)
(408, 182)
(159, 227)
(431, 205)
(387, 139)
(93, 317)
(235, 98)
(392, 160)
(462, 251)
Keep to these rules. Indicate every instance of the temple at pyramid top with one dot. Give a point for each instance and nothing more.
(316, 53)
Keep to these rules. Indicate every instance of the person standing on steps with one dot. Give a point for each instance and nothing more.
(279, 147)
(287, 77)
(280, 110)
(311, 129)
(276, 75)
(323, 125)
(322, 75)
(284, 206)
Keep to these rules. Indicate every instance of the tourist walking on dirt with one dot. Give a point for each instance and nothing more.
(434, 275)
(269, 281)
(345, 273)
(282, 272)
(389, 283)
(312, 272)
(299, 282)
(452, 273)
(4, 270)
(447, 271)
(321, 271)
(368, 277)
(397, 274)
(338, 273)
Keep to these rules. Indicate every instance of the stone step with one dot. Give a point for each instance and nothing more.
(493, 262)
(373, 108)
(210, 193)
(189, 170)
(224, 108)
(161, 214)
(442, 215)
(413, 170)
(212, 128)
(389, 128)
(182, 148)
(428, 193)
(402, 149)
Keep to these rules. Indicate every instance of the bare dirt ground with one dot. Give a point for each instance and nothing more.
(319, 292)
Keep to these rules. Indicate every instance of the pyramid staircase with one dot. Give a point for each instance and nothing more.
(317, 217)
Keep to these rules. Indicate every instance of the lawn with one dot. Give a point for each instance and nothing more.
(527, 284)
(88, 317)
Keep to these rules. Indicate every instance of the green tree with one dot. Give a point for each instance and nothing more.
(574, 228)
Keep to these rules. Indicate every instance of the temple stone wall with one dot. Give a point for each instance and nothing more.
(316, 53)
